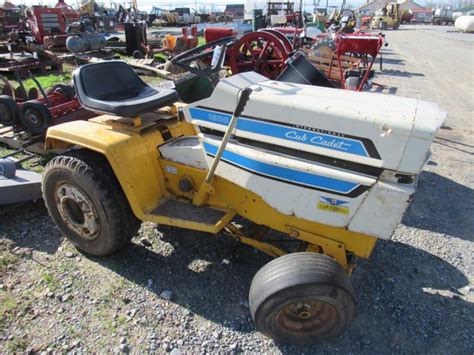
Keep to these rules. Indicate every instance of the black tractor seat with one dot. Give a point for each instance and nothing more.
(113, 87)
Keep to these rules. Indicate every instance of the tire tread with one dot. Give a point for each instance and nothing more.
(95, 168)
(296, 268)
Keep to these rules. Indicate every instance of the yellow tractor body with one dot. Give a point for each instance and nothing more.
(149, 180)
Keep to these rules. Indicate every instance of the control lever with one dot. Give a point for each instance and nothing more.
(206, 187)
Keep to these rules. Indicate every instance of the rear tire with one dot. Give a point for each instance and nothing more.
(87, 203)
(35, 117)
(9, 111)
(301, 298)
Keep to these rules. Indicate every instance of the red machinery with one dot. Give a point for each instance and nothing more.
(360, 45)
(48, 26)
(10, 18)
(69, 13)
(35, 113)
(264, 52)
(179, 44)
(212, 34)
(170, 44)
(348, 60)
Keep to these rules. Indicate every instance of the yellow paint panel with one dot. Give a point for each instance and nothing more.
(254, 208)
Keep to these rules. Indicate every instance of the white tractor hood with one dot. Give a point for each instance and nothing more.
(379, 130)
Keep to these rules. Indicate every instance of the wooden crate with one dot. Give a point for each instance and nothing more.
(329, 65)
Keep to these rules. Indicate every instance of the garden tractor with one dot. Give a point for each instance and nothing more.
(387, 17)
(312, 176)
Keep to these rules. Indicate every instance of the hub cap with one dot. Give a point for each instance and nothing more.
(34, 117)
(307, 318)
(77, 211)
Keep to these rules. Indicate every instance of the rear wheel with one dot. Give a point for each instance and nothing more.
(87, 203)
(35, 117)
(8, 111)
(301, 298)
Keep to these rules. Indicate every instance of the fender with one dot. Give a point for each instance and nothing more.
(131, 152)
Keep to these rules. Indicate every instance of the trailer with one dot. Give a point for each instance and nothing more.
(37, 110)
(443, 16)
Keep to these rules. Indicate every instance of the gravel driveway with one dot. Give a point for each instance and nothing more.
(183, 291)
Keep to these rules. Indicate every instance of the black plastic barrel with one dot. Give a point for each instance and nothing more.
(299, 70)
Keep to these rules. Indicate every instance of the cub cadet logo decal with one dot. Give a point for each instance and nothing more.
(318, 140)
(333, 205)
(300, 135)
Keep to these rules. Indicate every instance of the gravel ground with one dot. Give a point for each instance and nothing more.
(182, 291)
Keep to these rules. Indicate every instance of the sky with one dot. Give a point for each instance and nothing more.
(218, 4)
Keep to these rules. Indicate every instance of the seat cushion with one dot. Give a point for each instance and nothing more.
(113, 87)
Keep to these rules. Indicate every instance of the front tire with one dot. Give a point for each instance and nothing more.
(301, 298)
(87, 203)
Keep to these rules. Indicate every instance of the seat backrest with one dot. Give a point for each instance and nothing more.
(108, 80)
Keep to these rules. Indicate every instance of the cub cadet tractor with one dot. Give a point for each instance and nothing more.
(331, 170)
(387, 17)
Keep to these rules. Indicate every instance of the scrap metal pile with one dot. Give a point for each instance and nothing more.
(345, 60)
(341, 57)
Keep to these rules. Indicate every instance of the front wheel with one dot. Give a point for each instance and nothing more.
(87, 203)
(301, 298)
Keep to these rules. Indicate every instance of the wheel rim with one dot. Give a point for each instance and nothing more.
(306, 318)
(33, 118)
(281, 36)
(261, 52)
(5, 114)
(77, 211)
